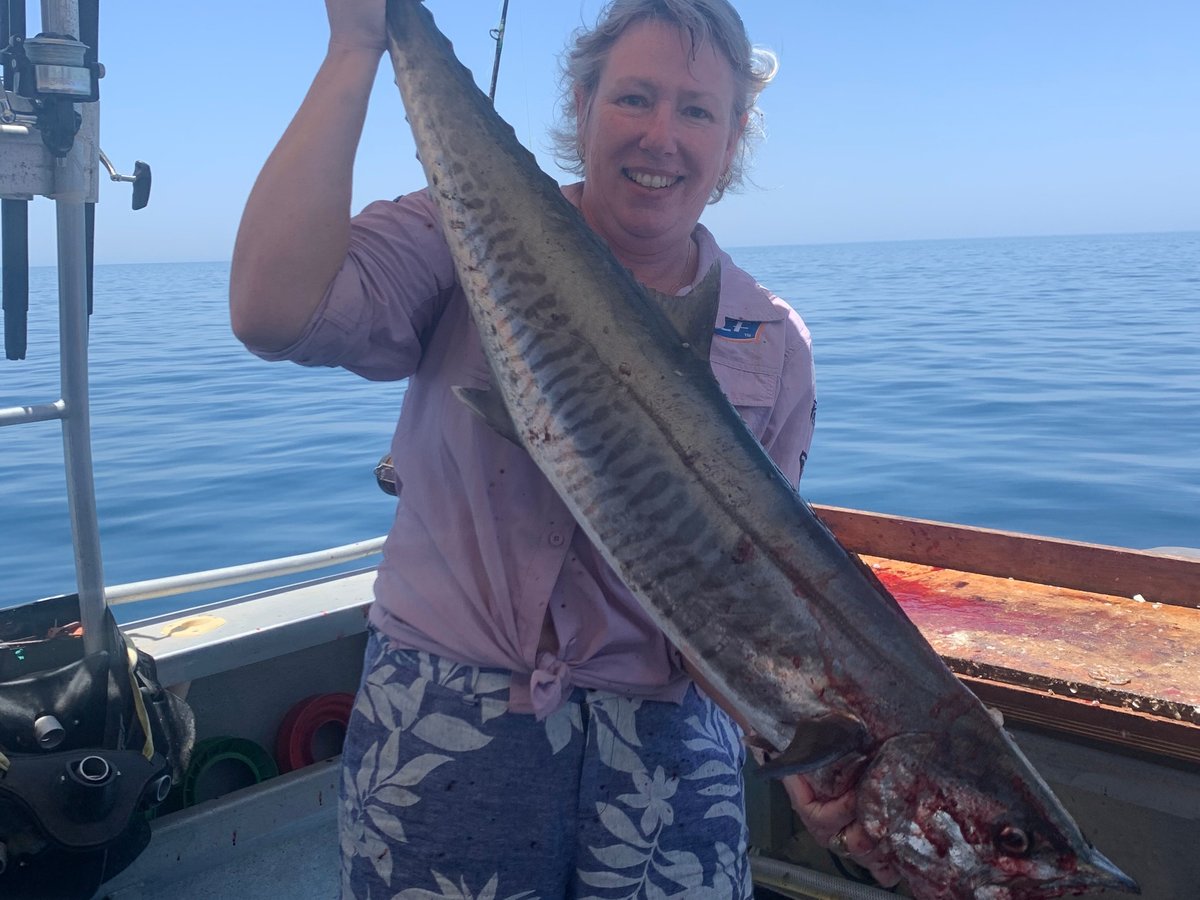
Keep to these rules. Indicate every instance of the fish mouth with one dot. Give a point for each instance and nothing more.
(652, 181)
(1097, 871)
(1093, 872)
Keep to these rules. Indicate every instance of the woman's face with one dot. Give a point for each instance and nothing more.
(656, 136)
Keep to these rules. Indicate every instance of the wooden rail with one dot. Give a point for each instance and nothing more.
(1085, 567)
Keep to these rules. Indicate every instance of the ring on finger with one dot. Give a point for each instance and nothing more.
(837, 844)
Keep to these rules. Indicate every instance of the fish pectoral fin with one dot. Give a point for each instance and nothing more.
(489, 406)
(694, 315)
(818, 743)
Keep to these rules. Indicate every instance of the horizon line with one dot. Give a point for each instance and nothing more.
(821, 243)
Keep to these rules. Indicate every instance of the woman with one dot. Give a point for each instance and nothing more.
(523, 729)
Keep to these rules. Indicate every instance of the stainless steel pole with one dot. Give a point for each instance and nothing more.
(70, 194)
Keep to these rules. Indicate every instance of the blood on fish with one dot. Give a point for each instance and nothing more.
(744, 551)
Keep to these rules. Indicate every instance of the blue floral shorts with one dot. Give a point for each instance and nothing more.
(447, 794)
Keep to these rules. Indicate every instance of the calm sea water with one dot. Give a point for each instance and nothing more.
(1044, 385)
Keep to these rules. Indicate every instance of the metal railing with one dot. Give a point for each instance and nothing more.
(256, 571)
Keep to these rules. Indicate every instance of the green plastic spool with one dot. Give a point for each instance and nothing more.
(212, 752)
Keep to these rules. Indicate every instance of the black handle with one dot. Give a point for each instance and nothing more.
(14, 242)
(141, 184)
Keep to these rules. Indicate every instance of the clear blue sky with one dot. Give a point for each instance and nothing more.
(888, 121)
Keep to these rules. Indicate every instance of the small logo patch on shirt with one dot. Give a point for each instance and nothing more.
(739, 329)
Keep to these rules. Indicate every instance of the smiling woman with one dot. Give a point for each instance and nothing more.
(484, 568)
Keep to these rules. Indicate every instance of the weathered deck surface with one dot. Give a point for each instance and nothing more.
(1099, 642)
(1102, 642)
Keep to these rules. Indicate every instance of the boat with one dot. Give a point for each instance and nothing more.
(1091, 653)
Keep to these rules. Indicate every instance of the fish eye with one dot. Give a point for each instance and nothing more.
(1012, 841)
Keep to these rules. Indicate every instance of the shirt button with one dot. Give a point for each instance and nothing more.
(556, 539)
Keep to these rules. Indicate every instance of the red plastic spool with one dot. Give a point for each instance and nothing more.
(294, 742)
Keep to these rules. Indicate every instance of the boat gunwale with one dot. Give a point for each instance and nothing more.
(1095, 568)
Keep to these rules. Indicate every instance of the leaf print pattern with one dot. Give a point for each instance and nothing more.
(374, 795)
(616, 735)
(447, 796)
(641, 864)
(652, 796)
(562, 725)
(381, 785)
(450, 891)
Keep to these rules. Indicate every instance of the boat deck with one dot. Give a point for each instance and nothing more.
(1102, 691)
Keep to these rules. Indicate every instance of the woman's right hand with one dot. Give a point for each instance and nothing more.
(834, 824)
(357, 24)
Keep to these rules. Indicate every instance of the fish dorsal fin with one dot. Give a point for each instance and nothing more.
(694, 314)
(489, 406)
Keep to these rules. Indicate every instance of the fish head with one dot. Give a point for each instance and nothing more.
(965, 819)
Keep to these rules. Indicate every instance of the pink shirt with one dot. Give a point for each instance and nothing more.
(482, 553)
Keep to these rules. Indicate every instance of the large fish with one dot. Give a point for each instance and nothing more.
(610, 390)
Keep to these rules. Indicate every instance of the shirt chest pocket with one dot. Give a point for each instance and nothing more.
(752, 391)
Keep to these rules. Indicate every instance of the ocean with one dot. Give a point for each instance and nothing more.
(1044, 385)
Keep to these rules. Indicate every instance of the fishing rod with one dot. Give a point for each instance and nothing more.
(385, 475)
(498, 36)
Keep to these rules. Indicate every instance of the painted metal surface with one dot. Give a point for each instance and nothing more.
(277, 839)
(201, 642)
